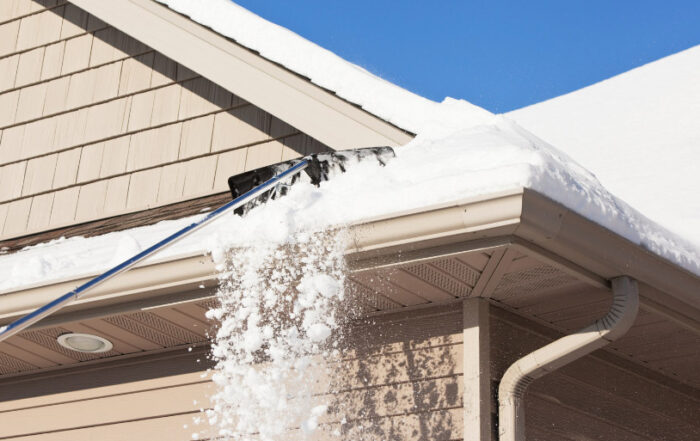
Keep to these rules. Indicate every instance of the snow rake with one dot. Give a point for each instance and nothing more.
(248, 190)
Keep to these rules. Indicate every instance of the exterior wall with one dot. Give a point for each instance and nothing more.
(147, 398)
(597, 397)
(402, 378)
(95, 124)
(404, 384)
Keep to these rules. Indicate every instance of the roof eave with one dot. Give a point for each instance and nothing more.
(520, 218)
(562, 232)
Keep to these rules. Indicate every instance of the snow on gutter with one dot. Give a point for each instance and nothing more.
(519, 217)
(470, 163)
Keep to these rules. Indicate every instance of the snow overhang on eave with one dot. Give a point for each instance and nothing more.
(520, 219)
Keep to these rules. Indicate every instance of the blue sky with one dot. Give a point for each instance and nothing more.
(500, 55)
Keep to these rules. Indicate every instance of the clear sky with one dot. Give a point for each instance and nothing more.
(497, 54)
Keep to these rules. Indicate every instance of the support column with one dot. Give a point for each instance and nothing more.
(477, 372)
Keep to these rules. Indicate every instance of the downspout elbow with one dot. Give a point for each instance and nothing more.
(560, 352)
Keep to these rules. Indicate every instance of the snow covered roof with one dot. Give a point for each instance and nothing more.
(639, 133)
(460, 151)
(392, 103)
(653, 109)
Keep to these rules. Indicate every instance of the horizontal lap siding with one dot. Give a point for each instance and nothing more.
(404, 384)
(94, 124)
(371, 407)
(150, 404)
(591, 398)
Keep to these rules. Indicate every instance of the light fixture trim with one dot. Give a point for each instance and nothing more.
(86, 343)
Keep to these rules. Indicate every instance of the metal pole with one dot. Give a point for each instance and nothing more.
(36, 315)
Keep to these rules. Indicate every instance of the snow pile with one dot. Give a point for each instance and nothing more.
(639, 132)
(278, 303)
(324, 68)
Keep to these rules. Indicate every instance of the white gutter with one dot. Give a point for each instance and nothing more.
(511, 391)
(523, 218)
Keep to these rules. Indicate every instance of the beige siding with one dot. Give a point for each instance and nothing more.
(84, 106)
(404, 384)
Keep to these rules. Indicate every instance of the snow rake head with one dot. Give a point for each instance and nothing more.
(249, 189)
(319, 167)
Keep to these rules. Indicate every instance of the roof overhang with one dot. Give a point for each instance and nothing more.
(315, 111)
(518, 220)
(526, 219)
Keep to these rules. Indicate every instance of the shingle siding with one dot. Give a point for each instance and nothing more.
(94, 123)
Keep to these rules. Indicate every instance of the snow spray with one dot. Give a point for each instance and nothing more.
(279, 329)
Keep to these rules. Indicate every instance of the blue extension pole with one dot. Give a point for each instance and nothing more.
(36, 315)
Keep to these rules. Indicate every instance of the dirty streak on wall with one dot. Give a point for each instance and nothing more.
(94, 123)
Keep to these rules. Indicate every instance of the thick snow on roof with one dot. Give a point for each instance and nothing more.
(461, 151)
(639, 132)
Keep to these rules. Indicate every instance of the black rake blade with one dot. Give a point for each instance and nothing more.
(322, 167)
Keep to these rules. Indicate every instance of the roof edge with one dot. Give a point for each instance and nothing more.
(142, 282)
(551, 226)
(302, 104)
(521, 218)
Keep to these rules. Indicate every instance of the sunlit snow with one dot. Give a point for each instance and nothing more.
(276, 310)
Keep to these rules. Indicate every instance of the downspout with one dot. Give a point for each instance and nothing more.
(511, 391)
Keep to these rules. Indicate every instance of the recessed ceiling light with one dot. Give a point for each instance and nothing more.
(84, 343)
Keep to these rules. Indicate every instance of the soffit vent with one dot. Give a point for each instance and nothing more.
(165, 327)
(368, 297)
(9, 364)
(208, 304)
(532, 280)
(137, 328)
(449, 275)
(458, 269)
